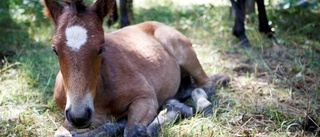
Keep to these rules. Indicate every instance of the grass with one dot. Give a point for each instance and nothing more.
(274, 87)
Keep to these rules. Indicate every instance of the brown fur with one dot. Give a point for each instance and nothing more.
(45, 10)
(138, 71)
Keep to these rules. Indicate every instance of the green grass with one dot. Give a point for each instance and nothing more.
(273, 88)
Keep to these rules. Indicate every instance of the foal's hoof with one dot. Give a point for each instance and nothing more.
(220, 79)
(165, 116)
(203, 105)
(174, 104)
(209, 90)
(207, 111)
(136, 131)
(62, 132)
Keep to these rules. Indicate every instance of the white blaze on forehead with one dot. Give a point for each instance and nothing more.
(76, 37)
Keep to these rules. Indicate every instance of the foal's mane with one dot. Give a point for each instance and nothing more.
(77, 5)
(102, 7)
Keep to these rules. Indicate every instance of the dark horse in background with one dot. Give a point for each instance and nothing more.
(239, 7)
(125, 8)
(238, 29)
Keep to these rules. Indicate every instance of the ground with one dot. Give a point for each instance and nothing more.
(274, 89)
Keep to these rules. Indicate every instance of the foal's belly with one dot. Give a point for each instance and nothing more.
(160, 69)
(137, 65)
(168, 81)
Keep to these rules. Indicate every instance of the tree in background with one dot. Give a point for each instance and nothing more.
(19, 19)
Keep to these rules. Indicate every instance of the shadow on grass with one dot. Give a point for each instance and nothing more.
(290, 66)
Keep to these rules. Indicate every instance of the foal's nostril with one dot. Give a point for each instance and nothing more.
(79, 119)
(67, 113)
(88, 114)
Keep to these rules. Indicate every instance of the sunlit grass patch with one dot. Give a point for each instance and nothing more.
(26, 87)
(22, 112)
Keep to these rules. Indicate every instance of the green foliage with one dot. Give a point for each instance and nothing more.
(18, 21)
(298, 21)
(10, 32)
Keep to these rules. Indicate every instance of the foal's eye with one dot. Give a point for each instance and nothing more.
(54, 50)
(100, 50)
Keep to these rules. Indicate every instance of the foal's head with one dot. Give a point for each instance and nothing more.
(78, 42)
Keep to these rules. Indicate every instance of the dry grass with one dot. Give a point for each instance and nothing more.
(274, 87)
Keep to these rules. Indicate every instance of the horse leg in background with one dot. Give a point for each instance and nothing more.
(114, 17)
(263, 20)
(124, 19)
(125, 7)
(238, 28)
(172, 109)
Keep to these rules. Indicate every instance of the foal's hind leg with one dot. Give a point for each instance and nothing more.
(189, 62)
(180, 47)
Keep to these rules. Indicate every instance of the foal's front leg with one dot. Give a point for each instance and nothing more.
(141, 112)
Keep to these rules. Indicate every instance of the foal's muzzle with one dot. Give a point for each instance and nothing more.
(79, 119)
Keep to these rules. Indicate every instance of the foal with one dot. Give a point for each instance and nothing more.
(126, 74)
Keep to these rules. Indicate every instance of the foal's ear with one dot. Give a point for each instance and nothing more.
(103, 7)
(52, 9)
